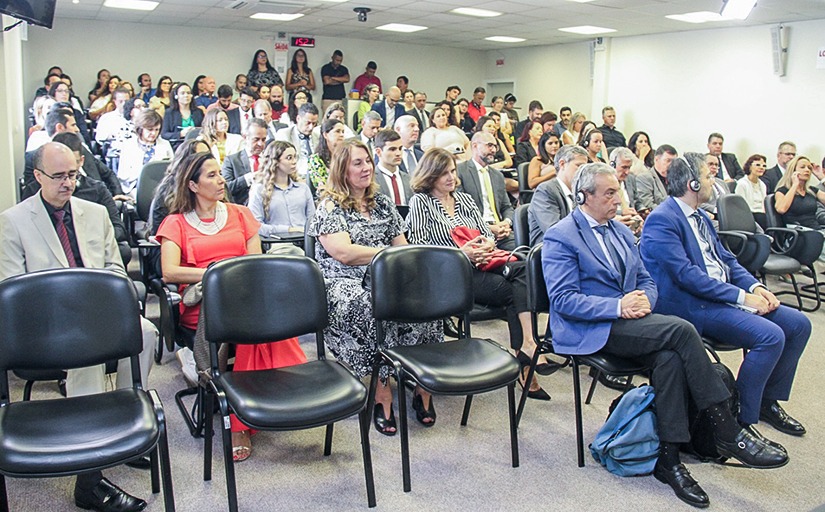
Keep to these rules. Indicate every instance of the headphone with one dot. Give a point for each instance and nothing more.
(580, 197)
(694, 184)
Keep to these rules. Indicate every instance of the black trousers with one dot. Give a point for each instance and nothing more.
(85, 482)
(681, 368)
(494, 289)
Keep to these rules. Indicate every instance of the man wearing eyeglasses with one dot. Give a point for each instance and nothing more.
(785, 153)
(50, 230)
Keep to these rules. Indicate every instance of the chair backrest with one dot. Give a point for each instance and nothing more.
(263, 298)
(193, 134)
(68, 318)
(309, 244)
(537, 298)
(734, 214)
(150, 177)
(521, 226)
(774, 219)
(524, 190)
(419, 283)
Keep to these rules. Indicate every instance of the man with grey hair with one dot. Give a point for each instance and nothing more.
(729, 168)
(419, 112)
(301, 135)
(651, 186)
(370, 125)
(239, 168)
(784, 154)
(601, 300)
(612, 138)
(553, 200)
(407, 127)
(621, 159)
(486, 186)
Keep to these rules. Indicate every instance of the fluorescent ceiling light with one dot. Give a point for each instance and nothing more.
(137, 5)
(335, 1)
(401, 27)
(505, 39)
(471, 11)
(275, 17)
(580, 1)
(737, 9)
(696, 17)
(587, 30)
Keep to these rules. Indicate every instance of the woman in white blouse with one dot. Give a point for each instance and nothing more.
(215, 131)
(278, 199)
(147, 147)
(751, 187)
(441, 134)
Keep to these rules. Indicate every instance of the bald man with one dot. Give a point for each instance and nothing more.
(390, 109)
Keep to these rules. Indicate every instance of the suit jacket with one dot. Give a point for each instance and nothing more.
(650, 191)
(547, 207)
(234, 117)
(419, 154)
(771, 178)
(92, 166)
(233, 170)
(387, 191)
(732, 166)
(292, 135)
(584, 289)
(672, 255)
(471, 185)
(720, 188)
(414, 113)
(381, 108)
(172, 121)
(630, 187)
(30, 241)
(524, 153)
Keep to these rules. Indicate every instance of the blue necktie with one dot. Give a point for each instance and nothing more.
(704, 232)
(618, 263)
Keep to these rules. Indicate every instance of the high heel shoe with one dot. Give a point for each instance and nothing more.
(382, 423)
(535, 394)
(422, 414)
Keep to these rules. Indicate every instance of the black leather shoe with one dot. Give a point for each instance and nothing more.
(550, 367)
(757, 434)
(107, 497)
(142, 463)
(450, 328)
(752, 452)
(775, 416)
(383, 424)
(610, 381)
(535, 394)
(421, 414)
(686, 488)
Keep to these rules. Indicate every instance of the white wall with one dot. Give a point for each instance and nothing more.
(680, 87)
(82, 47)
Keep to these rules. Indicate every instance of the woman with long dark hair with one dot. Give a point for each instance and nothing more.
(299, 73)
(261, 72)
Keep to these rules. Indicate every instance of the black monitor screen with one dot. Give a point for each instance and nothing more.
(37, 12)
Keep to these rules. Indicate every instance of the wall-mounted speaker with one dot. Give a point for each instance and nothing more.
(779, 47)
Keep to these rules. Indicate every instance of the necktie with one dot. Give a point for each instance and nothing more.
(423, 120)
(395, 190)
(255, 162)
(618, 263)
(410, 160)
(491, 197)
(306, 150)
(147, 156)
(63, 236)
(704, 233)
(246, 116)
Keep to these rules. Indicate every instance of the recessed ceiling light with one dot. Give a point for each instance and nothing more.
(696, 17)
(269, 16)
(737, 9)
(137, 5)
(505, 39)
(580, 1)
(587, 30)
(401, 27)
(335, 1)
(471, 11)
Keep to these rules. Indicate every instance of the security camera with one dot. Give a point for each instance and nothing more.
(362, 13)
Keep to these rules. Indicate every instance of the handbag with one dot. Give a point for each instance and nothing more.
(462, 234)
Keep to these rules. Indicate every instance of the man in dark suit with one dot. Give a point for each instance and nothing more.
(729, 168)
(601, 298)
(238, 168)
(394, 183)
(301, 135)
(553, 200)
(370, 125)
(407, 127)
(700, 281)
(785, 153)
(486, 186)
(419, 112)
(390, 109)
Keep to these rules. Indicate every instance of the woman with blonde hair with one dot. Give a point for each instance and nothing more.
(571, 135)
(215, 131)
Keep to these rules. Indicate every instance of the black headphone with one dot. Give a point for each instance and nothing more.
(613, 163)
(694, 184)
(579, 196)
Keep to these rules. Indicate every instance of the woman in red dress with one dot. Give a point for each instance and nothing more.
(202, 229)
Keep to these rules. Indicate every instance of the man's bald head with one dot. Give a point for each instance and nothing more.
(56, 170)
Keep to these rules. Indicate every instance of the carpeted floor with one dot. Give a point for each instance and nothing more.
(461, 468)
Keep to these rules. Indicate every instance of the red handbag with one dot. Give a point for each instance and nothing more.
(462, 234)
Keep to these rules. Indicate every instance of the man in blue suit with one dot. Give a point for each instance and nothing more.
(390, 109)
(601, 299)
(700, 281)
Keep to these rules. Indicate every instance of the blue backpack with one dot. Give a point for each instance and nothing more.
(628, 443)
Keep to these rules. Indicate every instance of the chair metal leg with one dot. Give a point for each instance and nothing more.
(468, 402)
(207, 438)
(364, 425)
(577, 401)
(511, 403)
(27, 390)
(4, 498)
(402, 426)
(526, 388)
(593, 385)
(154, 471)
(159, 348)
(228, 462)
(160, 456)
(328, 440)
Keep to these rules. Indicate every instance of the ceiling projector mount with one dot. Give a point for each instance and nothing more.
(362, 13)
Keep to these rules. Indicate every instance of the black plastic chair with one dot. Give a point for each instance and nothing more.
(408, 286)
(736, 225)
(803, 245)
(66, 319)
(521, 226)
(525, 193)
(539, 302)
(237, 298)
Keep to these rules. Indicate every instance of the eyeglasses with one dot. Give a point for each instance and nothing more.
(70, 176)
(789, 154)
(713, 164)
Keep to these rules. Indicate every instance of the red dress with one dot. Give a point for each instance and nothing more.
(199, 251)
